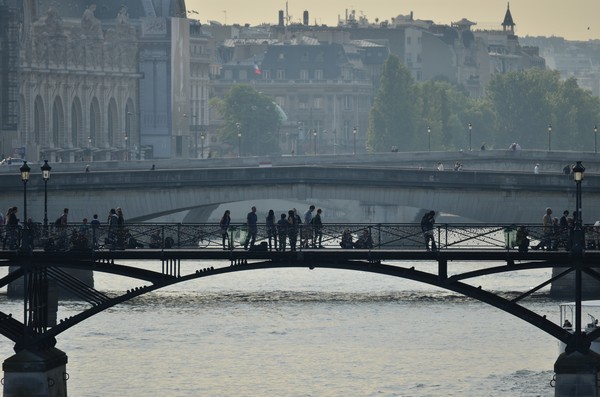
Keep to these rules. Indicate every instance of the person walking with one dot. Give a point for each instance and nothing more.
(252, 222)
(271, 230)
(545, 242)
(282, 232)
(95, 224)
(224, 224)
(307, 229)
(427, 223)
(317, 225)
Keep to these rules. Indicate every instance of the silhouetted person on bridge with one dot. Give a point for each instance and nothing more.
(347, 242)
(307, 232)
(282, 232)
(252, 222)
(427, 223)
(61, 225)
(271, 230)
(224, 224)
(523, 239)
(365, 241)
(317, 224)
(12, 229)
(546, 242)
(293, 226)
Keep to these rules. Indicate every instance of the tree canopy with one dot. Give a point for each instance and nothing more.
(517, 107)
(251, 119)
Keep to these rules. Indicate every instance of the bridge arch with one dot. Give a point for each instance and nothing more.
(171, 275)
(488, 197)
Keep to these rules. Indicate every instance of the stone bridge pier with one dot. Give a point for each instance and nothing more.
(36, 374)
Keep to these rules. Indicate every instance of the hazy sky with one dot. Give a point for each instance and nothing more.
(574, 19)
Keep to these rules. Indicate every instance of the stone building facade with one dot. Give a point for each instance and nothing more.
(93, 83)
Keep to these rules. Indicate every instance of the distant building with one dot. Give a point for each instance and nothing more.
(325, 89)
(105, 82)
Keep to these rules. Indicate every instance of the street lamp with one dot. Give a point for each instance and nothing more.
(25, 232)
(578, 243)
(126, 148)
(46, 175)
(202, 137)
(354, 133)
(577, 249)
(238, 125)
(470, 131)
(90, 147)
(315, 136)
(429, 135)
(595, 139)
(549, 137)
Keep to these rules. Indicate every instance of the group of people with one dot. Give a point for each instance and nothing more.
(290, 230)
(59, 235)
(556, 233)
(365, 241)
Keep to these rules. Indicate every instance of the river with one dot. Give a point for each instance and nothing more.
(301, 332)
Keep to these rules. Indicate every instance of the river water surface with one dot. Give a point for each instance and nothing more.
(301, 332)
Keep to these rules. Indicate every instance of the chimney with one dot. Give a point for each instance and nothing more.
(305, 18)
(281, 20)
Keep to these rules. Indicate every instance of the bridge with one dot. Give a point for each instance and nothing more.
(383, 191)
(37, 358)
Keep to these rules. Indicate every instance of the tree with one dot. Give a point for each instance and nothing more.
(522, 102)
(576, 112)
(252, 115)
(393, 116)
(441, 108)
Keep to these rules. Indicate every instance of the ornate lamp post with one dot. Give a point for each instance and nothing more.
(354, 134)
(315, 136)
(595, 139)
(549, 137)
(577, 250)
(202, 137)
(578, 243)
(46, 175)
(429, 136)
(239, 126)
(470, 134)
(25, 178)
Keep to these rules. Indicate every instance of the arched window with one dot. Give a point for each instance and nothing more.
(113, 123)
(76, 123)
(38, 121)
(58, 122)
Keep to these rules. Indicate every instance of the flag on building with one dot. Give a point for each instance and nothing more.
(257, 70)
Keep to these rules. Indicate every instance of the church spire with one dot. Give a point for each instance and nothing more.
(508, 21)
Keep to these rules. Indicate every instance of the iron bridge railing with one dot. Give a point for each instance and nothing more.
(396, 236)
